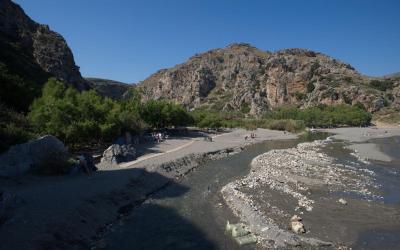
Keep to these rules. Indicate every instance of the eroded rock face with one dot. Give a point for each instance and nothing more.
(43, 153)
(241, 77)
(49, 49)
(118, 153)
(110, 88)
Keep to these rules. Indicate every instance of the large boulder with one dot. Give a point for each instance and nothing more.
(119, 153)
(46, 154)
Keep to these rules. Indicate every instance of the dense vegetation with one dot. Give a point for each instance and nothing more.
(160, 114)
(85, 117)
(324, 115)
(82, 118)
(210, 119)
(289, 118)
(14, 127)
(382, 85)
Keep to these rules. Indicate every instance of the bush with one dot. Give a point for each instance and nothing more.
(81, 117)
(300, 96)
(310, 87)
(14, 128)
(323, 115)
(381, 85)
(159, 114)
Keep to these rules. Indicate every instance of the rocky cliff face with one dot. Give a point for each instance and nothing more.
(241, 77)
(43, 48)
(109, 88)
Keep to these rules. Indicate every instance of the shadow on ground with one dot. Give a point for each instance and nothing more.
(82, 211)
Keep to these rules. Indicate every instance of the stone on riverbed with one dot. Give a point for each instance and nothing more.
(241, 233)
(247, 239)
(296, 225)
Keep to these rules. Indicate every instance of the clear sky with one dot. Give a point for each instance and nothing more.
(128, 40)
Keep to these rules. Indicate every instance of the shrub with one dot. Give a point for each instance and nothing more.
(14, 128)
(161, 114)
(323, 116)
(382, 85)
(300, 96)
(310, 87)
(81, 117)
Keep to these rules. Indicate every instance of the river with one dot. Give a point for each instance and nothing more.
(190, 214)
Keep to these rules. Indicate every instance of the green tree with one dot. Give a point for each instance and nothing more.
(81, 117)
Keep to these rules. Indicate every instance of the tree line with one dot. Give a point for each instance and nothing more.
(82, 118)
(85, 117)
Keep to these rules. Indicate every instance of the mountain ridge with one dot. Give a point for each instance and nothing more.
(110, 88)
(242, 77)
(32, 52)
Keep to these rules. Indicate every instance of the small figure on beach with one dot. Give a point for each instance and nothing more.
(84, 165)
(246, 137)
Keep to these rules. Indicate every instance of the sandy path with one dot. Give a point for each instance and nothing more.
(146, 157)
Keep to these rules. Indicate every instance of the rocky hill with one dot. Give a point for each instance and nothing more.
(31, 52)
(242, 77)
(110, 88)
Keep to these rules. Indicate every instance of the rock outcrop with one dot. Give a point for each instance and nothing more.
(37, 44)
(46, 154)
(242, 77)
(118, 153)
(109, 88)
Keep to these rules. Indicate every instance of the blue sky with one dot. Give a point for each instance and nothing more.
(128, 40)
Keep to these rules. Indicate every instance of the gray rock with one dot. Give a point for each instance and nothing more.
(45, 153)
(119, 153)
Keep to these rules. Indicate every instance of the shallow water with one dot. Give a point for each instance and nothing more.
(196, 218)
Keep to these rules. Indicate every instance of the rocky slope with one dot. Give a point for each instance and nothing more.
(32, 52)
(242, 77)
(110, 88)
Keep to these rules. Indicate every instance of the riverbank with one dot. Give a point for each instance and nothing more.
(361, 140)
(74, 211)
(331, 185)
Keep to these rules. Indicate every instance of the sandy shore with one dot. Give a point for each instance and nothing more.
(73, 211)
(360, 140)
(305, 181)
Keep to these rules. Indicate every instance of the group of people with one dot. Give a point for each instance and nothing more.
(252, 136)
(84, 163)
(159, 137)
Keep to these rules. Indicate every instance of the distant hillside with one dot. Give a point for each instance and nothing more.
(29, 54)
(110, 88)
(393, 75)
(243, 78)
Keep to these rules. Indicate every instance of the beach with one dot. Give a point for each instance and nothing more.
(66, 211)
(77, 211)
